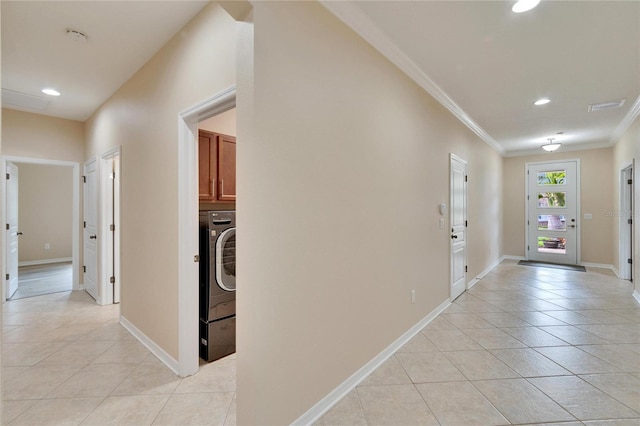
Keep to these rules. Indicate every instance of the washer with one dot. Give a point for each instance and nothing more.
(217, 284)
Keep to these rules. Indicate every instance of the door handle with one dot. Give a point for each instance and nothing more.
(19, 233)
(454, 236)
(572, 226)
(93, 237)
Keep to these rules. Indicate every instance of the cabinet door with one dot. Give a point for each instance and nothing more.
(207, 164)
(227, 168)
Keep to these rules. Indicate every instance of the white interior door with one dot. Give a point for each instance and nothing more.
(110, 228)
(12, 229)
(552, 213)
(90, 237)
(458, 220)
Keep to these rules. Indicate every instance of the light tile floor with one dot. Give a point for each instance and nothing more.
(67, 361)
(525, 345)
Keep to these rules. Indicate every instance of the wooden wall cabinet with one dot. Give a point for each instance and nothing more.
(216, 167)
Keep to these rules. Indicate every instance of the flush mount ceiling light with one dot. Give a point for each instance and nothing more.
(524, 5)
(551, 146)
(50, 92)
(542, 101)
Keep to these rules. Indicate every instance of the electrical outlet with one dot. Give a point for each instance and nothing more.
(47, 246)
(413, 296)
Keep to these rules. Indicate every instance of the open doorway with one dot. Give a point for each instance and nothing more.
(41, 242)
(188, 214)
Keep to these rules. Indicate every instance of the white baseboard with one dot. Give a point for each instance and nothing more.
(150, 344)
(636, 295)
(45, 261)
(482, 274)
(325, 404)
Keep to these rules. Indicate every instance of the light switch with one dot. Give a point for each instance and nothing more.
(588, 216)
(441, 223)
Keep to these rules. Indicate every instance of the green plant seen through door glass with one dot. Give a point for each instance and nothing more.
(552, 199)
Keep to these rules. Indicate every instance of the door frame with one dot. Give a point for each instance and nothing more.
(626, 211)
(188, 239)
(110, 243)
(75, 236)
(578, 208)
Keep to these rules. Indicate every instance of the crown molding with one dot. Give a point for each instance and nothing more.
(626, 122)
(353, 17)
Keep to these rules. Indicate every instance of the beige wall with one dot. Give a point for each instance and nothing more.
(224, 123)
(39, 136)
(595, 197)
(45, 214)
(338, 193)
(624, 152)
(142, 117)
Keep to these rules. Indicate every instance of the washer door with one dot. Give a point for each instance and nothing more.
(226, 260)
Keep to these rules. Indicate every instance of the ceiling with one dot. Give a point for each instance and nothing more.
(121, 37)
(484, 63)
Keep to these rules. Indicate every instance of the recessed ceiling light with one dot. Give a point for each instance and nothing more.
(524, 5)
(542, 101)
(51, 92)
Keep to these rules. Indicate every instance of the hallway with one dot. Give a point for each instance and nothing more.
(68, 361)
(525, 345)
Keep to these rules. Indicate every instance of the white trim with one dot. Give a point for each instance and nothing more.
(164, 357)
(45, 261)
(333, 397)
(627, 121)
(188, 246)
(75, 232)
(636, 296)
(354, 18)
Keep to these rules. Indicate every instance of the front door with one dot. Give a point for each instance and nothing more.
(12, 229)
(90, 237)
(458, 218)
(552, 202)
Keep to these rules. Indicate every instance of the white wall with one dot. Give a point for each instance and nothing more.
(224, 123)
(596, 197)
(142, 118)
(39, 136)
(339, 180)
(45, 212)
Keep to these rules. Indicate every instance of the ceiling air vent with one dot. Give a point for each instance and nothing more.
(606, 105)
